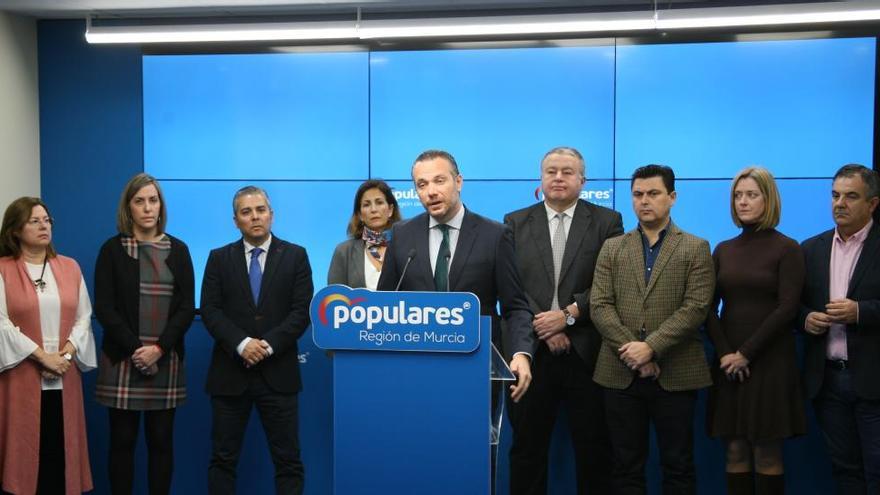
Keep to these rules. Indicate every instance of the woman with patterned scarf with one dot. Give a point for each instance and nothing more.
(357, 262)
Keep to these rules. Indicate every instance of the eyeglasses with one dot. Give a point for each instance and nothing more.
(36, 222)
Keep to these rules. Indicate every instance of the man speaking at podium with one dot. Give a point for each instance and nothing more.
(452, 249)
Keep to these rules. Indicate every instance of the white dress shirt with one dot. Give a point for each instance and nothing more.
(371, 274)
(552, 221)
(435, 237)
(248, 247)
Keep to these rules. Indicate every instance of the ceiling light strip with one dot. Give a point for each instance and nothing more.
(219, 33)
(490, 26)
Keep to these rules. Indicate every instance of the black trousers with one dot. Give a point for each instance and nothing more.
(851, 427)
(279, 416)
(50, 477)
(562, 380)
(629, 413)
(159, 432)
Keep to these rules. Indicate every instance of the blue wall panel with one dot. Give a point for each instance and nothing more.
(90, 135)
(498, 111)
(800, 107)
(269, 116)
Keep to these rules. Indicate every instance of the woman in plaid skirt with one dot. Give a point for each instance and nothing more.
(144, 300)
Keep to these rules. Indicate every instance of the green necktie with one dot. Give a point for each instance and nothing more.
(441, 268)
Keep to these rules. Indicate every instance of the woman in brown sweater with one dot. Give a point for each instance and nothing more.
(755, 402)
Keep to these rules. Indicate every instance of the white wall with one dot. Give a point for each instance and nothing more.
(19, 109)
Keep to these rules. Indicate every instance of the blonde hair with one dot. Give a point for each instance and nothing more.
(772, 203)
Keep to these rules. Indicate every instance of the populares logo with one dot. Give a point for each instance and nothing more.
(600, 197)
(344, 318)
(336, 310)
(322, 308)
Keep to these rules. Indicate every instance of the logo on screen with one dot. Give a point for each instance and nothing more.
(601, 197)
(401, 195)
(406, 198)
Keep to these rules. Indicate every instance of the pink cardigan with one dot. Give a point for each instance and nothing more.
(20, 388)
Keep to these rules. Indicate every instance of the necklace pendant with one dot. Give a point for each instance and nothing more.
(40, 284)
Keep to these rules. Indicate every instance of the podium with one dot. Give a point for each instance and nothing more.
(411, 390)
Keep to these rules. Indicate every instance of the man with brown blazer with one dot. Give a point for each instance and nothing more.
(651, 292)
(557, 241)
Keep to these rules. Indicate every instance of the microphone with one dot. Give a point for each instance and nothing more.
(409, 258)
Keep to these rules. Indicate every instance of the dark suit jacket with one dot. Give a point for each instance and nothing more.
(117, 299)
(484, 264)
(347, 265)
(280, 317)
(863, 338)
(590, 226)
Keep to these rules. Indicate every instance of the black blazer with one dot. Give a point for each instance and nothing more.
(484, 263)
(590, 226)
(862, 339)
(117, 299)
(280, 316)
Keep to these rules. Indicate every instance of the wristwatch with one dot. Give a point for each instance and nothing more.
(569, 319)
(68, 356)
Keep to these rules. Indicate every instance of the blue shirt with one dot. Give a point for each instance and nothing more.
(651, 252)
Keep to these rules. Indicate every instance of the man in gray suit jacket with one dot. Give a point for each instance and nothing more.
(557, 241)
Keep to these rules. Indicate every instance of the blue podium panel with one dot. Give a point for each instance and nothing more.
(412, 422)
(801, 107)
(497, 111)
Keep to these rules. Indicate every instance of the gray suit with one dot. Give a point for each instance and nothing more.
(563, 379)
(347, 265)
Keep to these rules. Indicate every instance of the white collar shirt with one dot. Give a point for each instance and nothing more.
(248, 247)
(552, 221)
(435, 237)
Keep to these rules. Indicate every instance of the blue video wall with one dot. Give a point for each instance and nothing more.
(309, 127)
